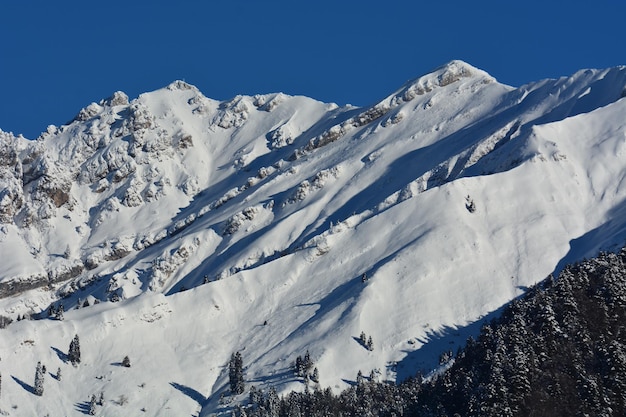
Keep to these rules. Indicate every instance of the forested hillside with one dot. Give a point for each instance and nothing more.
(558, 351)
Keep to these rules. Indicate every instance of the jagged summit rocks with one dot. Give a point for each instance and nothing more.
(188, 223)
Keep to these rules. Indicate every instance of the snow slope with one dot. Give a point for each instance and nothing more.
(274, 224)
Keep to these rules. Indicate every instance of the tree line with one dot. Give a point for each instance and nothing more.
(560, 350)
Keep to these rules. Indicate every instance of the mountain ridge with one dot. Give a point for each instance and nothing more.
(285, 224)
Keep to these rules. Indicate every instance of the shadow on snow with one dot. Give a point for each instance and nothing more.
(189, 392)
(24, 385)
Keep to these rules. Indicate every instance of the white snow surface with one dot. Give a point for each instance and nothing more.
(273, 225)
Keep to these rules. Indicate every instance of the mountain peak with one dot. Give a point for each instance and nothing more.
(450, 73)
(119, 98)
(453, 71)
(406, 221)
(458, 65)
(181, 85)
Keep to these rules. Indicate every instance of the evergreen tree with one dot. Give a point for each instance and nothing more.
(92, 406)
(372, 376)
(293, 407)
(255, 396)
(359, 378)
(39, 375)
(308, 363)
(58, 374)
(59, 312)
(303, 366)
(315, 377)
(273, 403)
(299, 367)
(235, 374)
(126, 362)
(74, 351)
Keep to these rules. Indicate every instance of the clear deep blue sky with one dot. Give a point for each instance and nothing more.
(58, 56)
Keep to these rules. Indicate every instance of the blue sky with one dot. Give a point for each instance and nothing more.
(58, 56)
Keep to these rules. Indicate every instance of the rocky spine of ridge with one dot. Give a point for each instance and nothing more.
(129, 155)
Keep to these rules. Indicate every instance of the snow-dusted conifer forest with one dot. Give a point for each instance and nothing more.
(212, 244)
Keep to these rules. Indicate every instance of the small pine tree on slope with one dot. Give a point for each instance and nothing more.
(39, 375)
(92, 406)
(235, 374)
(74, 351)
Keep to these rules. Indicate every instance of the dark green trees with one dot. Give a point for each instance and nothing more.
(39, 375)
(74, 352)
(92, 406)
(235, 374)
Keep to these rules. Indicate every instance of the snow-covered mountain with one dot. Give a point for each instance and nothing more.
(273, 225)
